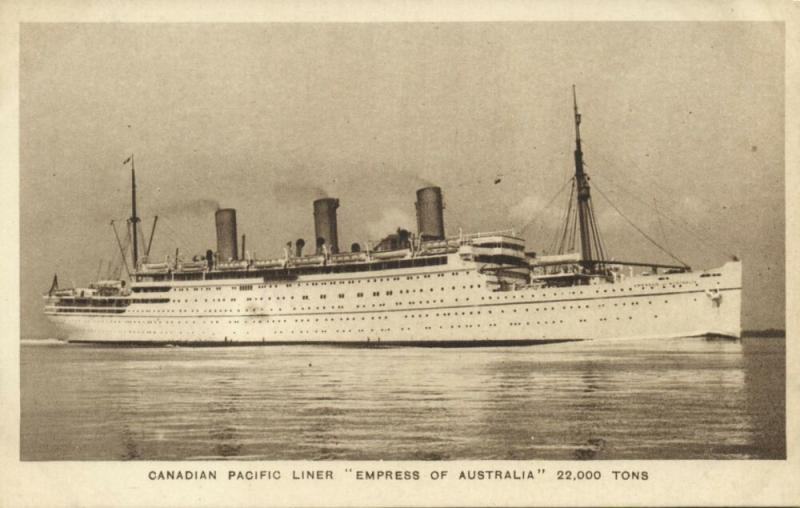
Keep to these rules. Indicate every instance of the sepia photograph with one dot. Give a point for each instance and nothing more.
(242, 244)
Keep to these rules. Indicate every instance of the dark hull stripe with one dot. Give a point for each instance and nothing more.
(353, 344)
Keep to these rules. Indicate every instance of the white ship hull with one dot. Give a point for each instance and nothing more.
(439, 305)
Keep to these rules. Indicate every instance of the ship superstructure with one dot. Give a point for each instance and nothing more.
(422, 287)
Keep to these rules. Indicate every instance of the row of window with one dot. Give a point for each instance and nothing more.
(255, 310)
(343, 295)
(328, 330)
(500, 245)
(512, 295)
(151, 289)
(91, 311)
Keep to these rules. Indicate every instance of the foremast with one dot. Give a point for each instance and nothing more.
(134, 218)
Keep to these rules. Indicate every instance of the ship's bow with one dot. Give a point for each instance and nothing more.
(725, 294)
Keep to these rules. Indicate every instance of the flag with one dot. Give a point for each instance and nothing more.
(127, 160)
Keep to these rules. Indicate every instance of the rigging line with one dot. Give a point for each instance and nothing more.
(598, 239)
(120, 260)
(547, 206)
(116, 270)
(573, 234)
(683, 225)
(567, 232)
(569, 245)
(139, 229)
(121, 250)
(558, 238)
(598, 151)
(602, 244)
(639, 229)
(566, 222)
(628, 161)
(596, 255)
(112, 265)
(176, 230)
(172, 233)
(553, 245)
(106, 271)
(127, 239)
(690, 229)
(168, 234)
(635, 196)
(660, 224)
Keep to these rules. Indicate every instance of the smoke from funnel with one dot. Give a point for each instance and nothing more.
(292, 192)
(200, 206)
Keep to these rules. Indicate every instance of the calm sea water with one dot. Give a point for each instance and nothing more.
(686, 398)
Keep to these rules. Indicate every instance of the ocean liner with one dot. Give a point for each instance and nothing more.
(411, 288)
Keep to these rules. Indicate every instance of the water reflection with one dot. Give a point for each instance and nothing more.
(765, 381)
(130, 444)
(672, 399)
(590, 381)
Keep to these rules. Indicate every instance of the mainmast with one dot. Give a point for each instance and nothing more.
(591, 246)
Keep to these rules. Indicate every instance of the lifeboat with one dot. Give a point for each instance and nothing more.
(232, 265)
(192, 266)
(434, 244)
(349, 257)
(270, 263)
(154, 267)
(308, 260)
(391, 254)
(437, 250)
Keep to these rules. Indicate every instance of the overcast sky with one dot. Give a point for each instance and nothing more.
(683, 118)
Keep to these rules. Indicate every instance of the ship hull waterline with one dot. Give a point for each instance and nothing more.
(429, 307)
